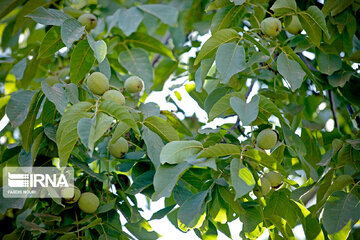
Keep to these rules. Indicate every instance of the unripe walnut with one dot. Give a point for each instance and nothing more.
(294, 27)
(267, 139)
(265, 185)
(88, 20)
(88, 202)
(119, 148)
(271, 26)
(134, 84)
(98, 83)
(275, 179)
(114, 96)
(74, 198)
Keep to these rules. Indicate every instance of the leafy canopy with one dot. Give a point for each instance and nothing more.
(305, 86)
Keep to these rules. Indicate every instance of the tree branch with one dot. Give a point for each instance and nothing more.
(333, 110)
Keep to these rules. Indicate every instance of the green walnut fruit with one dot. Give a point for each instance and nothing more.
(74, 198)
(98, 83)
(115, 96)
(88, 202)
(119, 148)
(265, 185)
(134, 84)
(294, 26)
(267, 139)
(275, 179)
(88, 20)
(271, 26)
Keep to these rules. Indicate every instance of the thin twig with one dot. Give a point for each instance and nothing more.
(307, 62)
(332, 105)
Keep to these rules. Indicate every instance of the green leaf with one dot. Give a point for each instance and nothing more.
(193, 211)
(142, 230)
(211, 45)
(339, 79)
(266, 105)
(163, 70)
(177, 151)
(166, 13)
(280, 205)
(19, 68)
(341, 182)
(85, 168)
(104, 67)
(219, 150)
(264, 159)
(137, 62)
(119, 112)
(284, 7)
(162, 212)
(100, 125)
(226, 18)
(339, 210)
(238, 2)
(166, 177)
(258, 45)
(27, 128)
(162, 128)
(81, 61)
(230, 59)
(83, 129)
(145, 41)
(328, 64)
(291, 71)
(48, 16)
(66, 135)
(289, 51)
(176, 123)
(129, 20)
(251, 219)
(241, 178)
(56, 95)
(313, 21)
(222, 105)
(7, 6)
(35, 147)
(282, 225)
(293, 140)
(247, 112)
(18, 106)
(27, 8)
(141, 182)
(51, 43)
(120, 130)
(216, 4)
(154, 144)
(310, 224)
(71, 31)
(99, 47)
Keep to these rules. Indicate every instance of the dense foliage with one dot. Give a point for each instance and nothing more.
(308, 80)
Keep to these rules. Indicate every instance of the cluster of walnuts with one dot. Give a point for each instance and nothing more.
(272, 26)
(88, 202)
(265, 140)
